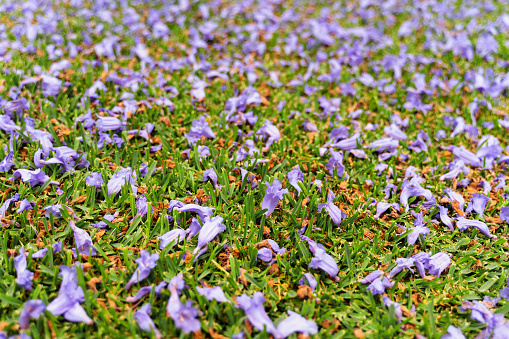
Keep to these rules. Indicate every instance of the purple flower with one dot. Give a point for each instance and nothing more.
(294, 176)
(379, 285)
(16, 106)
(296, 323)
(83, 240)
(463, 224)
(445, 218)
(142, 317)
(105, 124)
(504, 293)
(414, 189)
(145, 290)
(54, 210)
(69, 298)
(66, 157)
(212, 293)
(37, 177)
(478, 204)
(211, 228)
(211, 175)
(7, 164)
(504, 213)
(24, 276)
(418, 229)
(270, 132)
(384, 144)
(275, 247)
(264, 254)
(381, 207)
(200, 128)
(438, 263)
(253, 308)
(146, 262)
(453, 333)
(31, 310)
(401, 264)
(94, 179)
(202, 211)
(322, 260)
(371, 277)
(395, 132)
(101, 224)
(174, 236)
(142, 205)
(7, 203)
(334, 212)
(272, 196)
(397, 308)
(311, 281)
(184, 316)
(40, 254)
(7, 125)
(118, 180)
(335, 161)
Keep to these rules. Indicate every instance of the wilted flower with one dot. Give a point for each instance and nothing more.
(176, 235)
(37, 177)
(211, 175)
(142, 317)
(272, 196)
(212, 293)
(83, 240)
(397, 308)
(145, 290)
(94, 179)
(69, 298)
(270, 132)
(463, 224)
(310, 279)
(264, 254)
(322, 260)
(401, 264)
(105, 124)
(334, 212)
(203, 212)
(7, 203)
(417, 230)
(253, 307)
(453, 333)
(296, 323)
(445, 218)
(478, 204)
(200, 128)
(118, 180)
(6, 164)
(438, 263)
(146, 262)
(210, 229)
(379, 285)
(24, 276)
(294, 176)
(31, 310)
(53, 210)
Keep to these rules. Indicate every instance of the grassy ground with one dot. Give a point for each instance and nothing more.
(359, 245)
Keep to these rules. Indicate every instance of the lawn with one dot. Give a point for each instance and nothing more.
(254, 169)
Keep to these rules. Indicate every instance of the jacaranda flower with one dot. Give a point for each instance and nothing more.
(142, 317)
(296, 323)
(146, 262)
(212, 293)
(334, 212)
(253, 307)
(272, 196)
(24, 276)
(83, 240)
(31, 310)
(94, 180)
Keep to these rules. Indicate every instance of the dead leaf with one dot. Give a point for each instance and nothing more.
(304, 291)
(358, 333)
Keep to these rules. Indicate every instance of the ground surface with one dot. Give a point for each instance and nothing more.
(356, 96)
